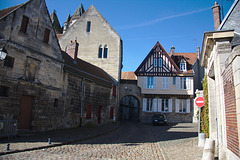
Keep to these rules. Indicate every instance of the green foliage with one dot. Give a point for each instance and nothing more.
(204, 110)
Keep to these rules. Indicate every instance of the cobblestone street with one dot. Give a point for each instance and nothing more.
(131, 141)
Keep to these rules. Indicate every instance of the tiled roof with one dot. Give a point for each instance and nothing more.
(86, 70)
(128, 76)
(190, 57)
(7, 11)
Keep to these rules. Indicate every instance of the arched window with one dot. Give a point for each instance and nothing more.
(105, 51)
(100, 51)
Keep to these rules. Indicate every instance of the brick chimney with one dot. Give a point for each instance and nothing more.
(172, 51)
(216, 15)
(72, 49)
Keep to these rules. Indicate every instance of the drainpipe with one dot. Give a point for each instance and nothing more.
(81, 104)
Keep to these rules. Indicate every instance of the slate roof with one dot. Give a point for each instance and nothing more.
(128, 76)
(55, 22)
(86, 70)
(9, 10)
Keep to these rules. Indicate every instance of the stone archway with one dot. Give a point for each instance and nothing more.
(129, 108)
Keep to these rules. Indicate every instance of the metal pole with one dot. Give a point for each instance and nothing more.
(199, 123)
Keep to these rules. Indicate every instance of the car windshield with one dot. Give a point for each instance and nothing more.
(159, 116)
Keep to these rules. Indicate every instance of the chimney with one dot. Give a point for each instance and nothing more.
(216, 15)
(198, 52)
(172, 51)
(72, 49)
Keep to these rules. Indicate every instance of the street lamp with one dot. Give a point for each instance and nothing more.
(3, 53)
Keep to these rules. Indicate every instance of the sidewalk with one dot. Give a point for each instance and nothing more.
(35, 141)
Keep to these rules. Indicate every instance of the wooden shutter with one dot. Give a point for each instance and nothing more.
(178, 82)
(154, 82)
(89, 111)
(159, 105)
(177, 105)
(155, 105)
(188, 105)
(163, 82)
(166, 82)
(188, 83)
(144, 104)
(169, 105)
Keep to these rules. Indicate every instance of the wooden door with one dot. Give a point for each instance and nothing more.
(25, 112)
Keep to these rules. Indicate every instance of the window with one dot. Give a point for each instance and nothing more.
(174, 80)
(165, 105)
(9, 61)
(4, 91)
(155, 62)
(100, 51)
(165, 82)
(183, 84)
(149, 105)
(105, 51)
(30, 74)
(88, 26)
(182, 105)
(160, 62)
(24, 24)
(55, 103)
(149, 82)
(114, 91)
(183, 66)
(46, 35)
(89, 110)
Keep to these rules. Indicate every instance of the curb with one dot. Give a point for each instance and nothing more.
(63, 143)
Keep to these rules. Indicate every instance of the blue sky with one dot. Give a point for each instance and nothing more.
(141, 23)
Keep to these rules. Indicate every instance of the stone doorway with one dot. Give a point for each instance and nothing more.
(129, 108)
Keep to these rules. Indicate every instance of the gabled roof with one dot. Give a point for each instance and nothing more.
(86, 70)
(128, 76)
(167, 70)
(7, 11)
(189, 57)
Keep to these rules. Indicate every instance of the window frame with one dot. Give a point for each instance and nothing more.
(24, 24)
(105, 52)
(9, 61)
(165, 104)
(160, 62)
(46, 35)
(88, 29)
(183, 66)
(155, 62)
(165, 82)
(150, 82)
(100, 51)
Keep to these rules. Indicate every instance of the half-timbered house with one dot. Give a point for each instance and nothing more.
(166, 82)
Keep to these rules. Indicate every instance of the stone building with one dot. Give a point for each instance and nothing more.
(167, 85)
(42, 87)
(221, 58)
(31, 75)
(99, 43)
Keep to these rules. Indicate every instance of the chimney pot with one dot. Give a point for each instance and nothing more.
(216, 15)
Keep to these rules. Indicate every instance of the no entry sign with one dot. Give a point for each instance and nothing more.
(199, 101)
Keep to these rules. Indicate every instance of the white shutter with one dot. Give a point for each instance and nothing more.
(188, 105)
(178, 82)
(144, 82)
(154, 82)
(155, 105)
(163, 82)
(188, 81)
(159, 105)
(176, 105)
(166, 82)
(144, 104)
(169, 105)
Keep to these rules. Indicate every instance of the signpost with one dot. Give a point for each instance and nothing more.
(199, 101)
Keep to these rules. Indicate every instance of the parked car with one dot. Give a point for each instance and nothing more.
(159, 119)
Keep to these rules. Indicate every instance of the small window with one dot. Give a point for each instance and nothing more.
(9, 61)
(55, 103)
(46, 35)
(160, 62)
(174, 80)
(31, 72)
(182, 106)
(165, 82)
(183, 83)
(88, 26)
(100, 51)
(4, 91)
(155, 62)
(24, 24)
(149, 104)
(149, 82)
(105, 51)
(165, 105)
(183, 66)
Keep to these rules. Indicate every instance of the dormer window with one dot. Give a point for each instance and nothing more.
(183, 65)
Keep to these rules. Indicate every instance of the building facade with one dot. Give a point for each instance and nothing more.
(166, 82)
(221, 58)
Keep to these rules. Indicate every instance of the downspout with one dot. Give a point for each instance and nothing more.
(81, 115)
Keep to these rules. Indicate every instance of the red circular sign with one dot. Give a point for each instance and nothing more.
(199, 101)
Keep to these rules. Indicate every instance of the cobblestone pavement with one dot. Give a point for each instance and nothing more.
(132, 141)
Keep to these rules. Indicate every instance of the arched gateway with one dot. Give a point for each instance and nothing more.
(129, 108)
